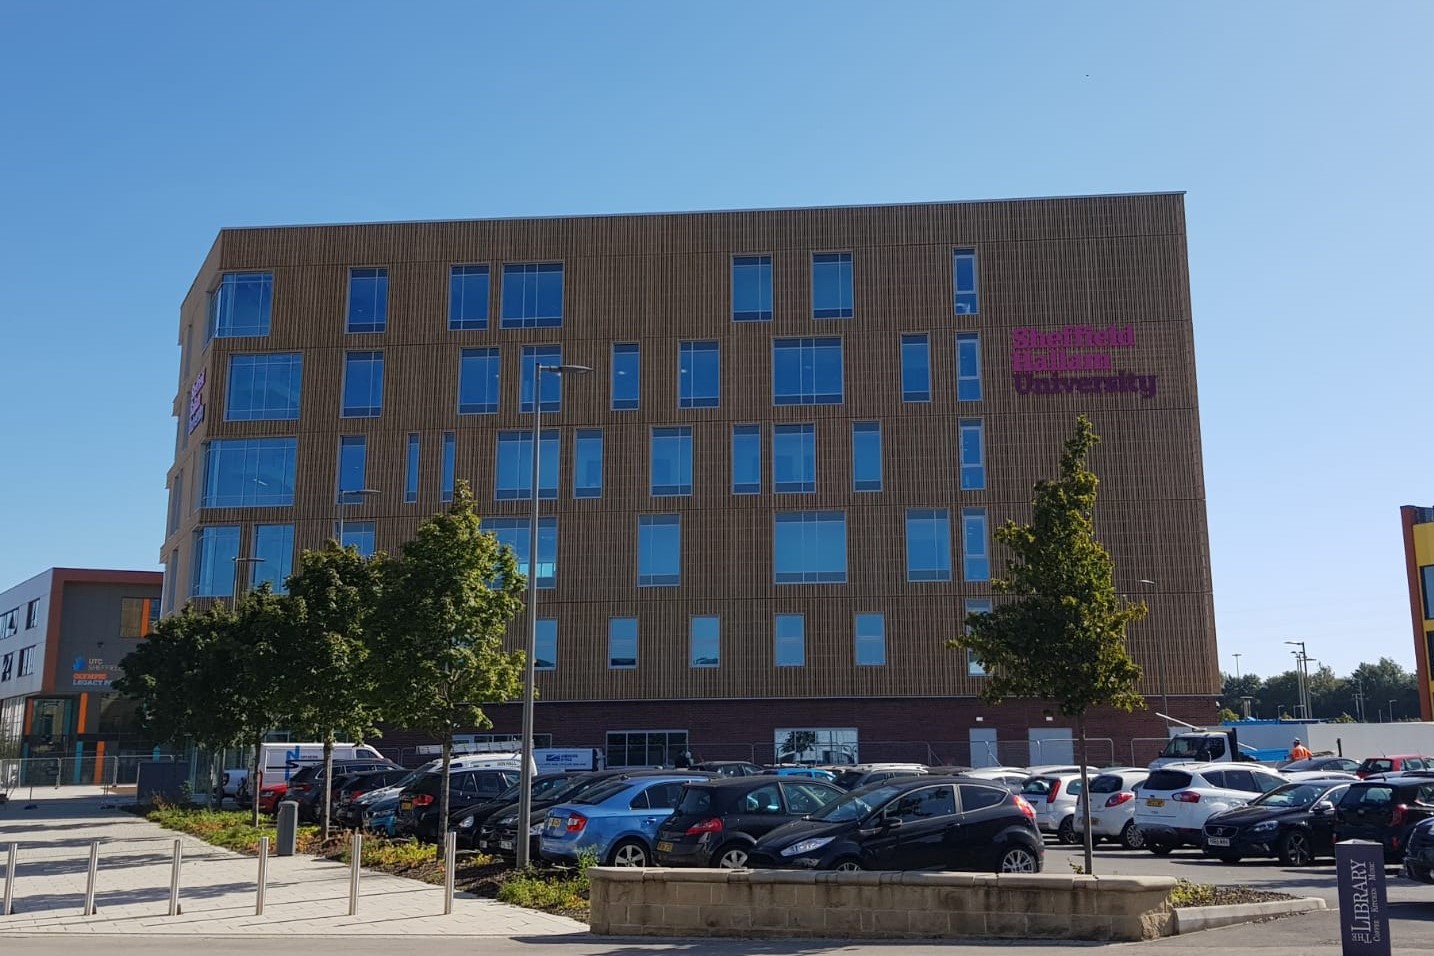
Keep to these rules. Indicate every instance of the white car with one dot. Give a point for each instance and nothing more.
(1009, 777)
(1114, 794)
(1053, 796)
(1176, 798)
(1303, 776)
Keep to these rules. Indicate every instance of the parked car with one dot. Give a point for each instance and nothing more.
(418, 804)
(467, 819)
(381, 817)
(1294, 822)
(1054, 798)
(1419, 852)
(307, 785)
(949, 823)
(865, 774)
(1384, 810)
(1050, 769)
(1397, 763)
(357, 812)
(228, 786)
(1114, 795)
(811, 773)
(717, 821)
(729, 768)
(1012, 778)
(1321, 762)
(1176, 799)
(351, 786)
(618, 821)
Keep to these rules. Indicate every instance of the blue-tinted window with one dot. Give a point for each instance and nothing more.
(626, 376)
(410, 469)
(587, 463)
(705, 641)
(659, 550)
(622, 642)
(810, 547)
(515, 533)
(973, 455)
(870, 640)
(353, 468)
(968, 367)
(468, 297)
(928, 544)
(240, 306)
(974, 666)
(746, 459)
(794, 458)
(368, 300)
(963, 271)
(551, 386)
(751, 288)
(363, 385)
(264, 387)
(699, 380)
(215, 549)
(831, 285)
(478, 376)
(671, 471)
(532, 295)
(357, 534)
(790, 631)
(249, 472)
(866, 456)
(546, 658)
(916, 368)
(975, 551)
(807, 371)
(274, 547)
(445, 489)
(515, 465)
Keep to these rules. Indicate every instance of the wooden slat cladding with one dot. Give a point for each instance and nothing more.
(658, 280)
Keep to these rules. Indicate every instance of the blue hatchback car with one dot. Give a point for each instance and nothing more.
(617, 821)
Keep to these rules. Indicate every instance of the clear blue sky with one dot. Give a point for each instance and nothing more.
(134, 131)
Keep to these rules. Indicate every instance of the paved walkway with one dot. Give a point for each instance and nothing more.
(305, 895)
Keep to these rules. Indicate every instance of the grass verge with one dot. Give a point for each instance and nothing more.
(1187, 894)
(230, 829)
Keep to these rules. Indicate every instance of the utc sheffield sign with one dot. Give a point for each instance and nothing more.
(1041, 362)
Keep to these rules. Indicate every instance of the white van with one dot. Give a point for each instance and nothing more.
(279, 762)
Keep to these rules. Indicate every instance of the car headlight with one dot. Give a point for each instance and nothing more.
(535, 829)
(807, 846)
(507, 820)
(466, 823)
(1265, 827)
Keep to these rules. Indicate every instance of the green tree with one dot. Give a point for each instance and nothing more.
(1235, 688)
(447, 602)
(1064, 602)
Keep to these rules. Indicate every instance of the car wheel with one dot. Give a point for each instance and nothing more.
(1065, 833)
(1131, 838)
(733, 856)
(1160, 849)
(1296, 849)
(1018, 859)
(849, 864)
(629, 853)
(1229, 859)
(1420, 873)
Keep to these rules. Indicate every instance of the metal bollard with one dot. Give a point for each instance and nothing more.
(263, 875)
(90, 882)
(450, 863)
(355, 862)
(9, 905)
(174, 880)
(286, 824)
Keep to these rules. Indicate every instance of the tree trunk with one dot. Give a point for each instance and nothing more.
(1085, 799)
(254, 780)
(326, 789)
(443, 789)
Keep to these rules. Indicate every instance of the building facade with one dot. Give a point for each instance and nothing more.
(772, 500)
(1418, 527)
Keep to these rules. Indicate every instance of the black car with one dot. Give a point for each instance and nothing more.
(730, 768)
(467, 820)
(1294, 822)
(945, 823)
(351, 786)
(1325, 763)
(418, 804)
(306, 786)
(716, 822)
(1384, 810)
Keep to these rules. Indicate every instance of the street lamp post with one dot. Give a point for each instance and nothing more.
(344, 501)
(1237, 667)
(1391, 711)
(525, 773)
(1301, 677)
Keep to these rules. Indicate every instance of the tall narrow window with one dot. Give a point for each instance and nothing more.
(974, 666)
(240, 306)
(870, 640)
(171, 580)
(274, 547)
(358, 535)
(622, 643)
(751, 288)
(516, 534)
(587, 463)
(445, 488)
(866, 460)
(514, 480)
(973, 455)
(215, 549)
(704, 641)
(963, 271)
(807, 371)
(794, 458)
(790, 631)
(626, 376)
(264, 387)
(410, 469)
(368, 300)
(353, 467)
(671, 461)
(532, 295)
(831, 285)
(363, 385)
(550, 389)
(468, 298)
(916, 368)
(478, 377)
(928, 544)
(809, 547)
(546, 658)
(176, 502)
(968, 367)
(746, 459)
(249, 473)
(974, 547)
(699, 379)
(659, 550)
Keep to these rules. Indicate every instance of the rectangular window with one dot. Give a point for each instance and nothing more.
(622, 643)
(974, 667)
(974, 548)
(368, 300)
(176, 502)
(659, 550)
(671, 466)
(514, 480)
(264, 387)
(928, 544)
(138, 617)
(968, 367)
(353, 468)
(240, 306)
(751, 288)
(699, 382)
(746, 459)
(587, 463)
(274, 547)
(32, 614)
(916, 368)
(810, 547)
(704, 641)
(7, 666)
(468, 298)
(866, 456)
(973, 455)
(806, 371)
(478, 381)
(870, 640)
(359, 535)
(831, 285)
(215, 549)
(171, 579)
(532, 295)
(794, 458)
(626, 376)
(1426, 579)
(644, 748)
(516, 533)
(363, 384)
(10, 622)
(410, 469)
(963, 271)
(445, 488)
(27, 661)
(790, 631)
(249, 472)
(550, 389)
(546, 658)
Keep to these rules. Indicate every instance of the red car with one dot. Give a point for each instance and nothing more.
(1395, 763)
(269, 796)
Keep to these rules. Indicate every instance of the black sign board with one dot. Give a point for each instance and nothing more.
(1363, 904)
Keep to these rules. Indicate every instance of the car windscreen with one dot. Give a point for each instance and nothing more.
(1037, 787)
(1292, 796)
(1376, 765)
(855, 806)
(695, 801)
(849, 778)
(1167, 780)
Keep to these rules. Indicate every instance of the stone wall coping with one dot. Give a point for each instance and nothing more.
(1058, 882)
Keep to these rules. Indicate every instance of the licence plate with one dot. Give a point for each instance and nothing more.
(1154, 802)
(1218, 841)
(405, 804)
(664, 847)
(505, 844)
(482, 844)
(554, 824)
(1094, 822)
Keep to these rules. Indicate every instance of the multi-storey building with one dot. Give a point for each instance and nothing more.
(1418, 525)
(772, 501)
